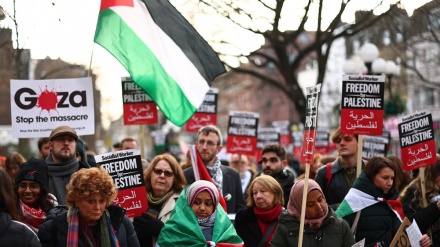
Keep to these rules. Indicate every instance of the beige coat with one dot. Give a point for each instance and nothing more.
(165, 213)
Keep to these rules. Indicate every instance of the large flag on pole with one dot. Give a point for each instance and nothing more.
(161, 51)
(201, 173)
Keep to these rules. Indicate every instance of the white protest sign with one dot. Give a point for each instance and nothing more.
(39, 106)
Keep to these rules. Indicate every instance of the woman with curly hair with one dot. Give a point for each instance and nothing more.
(428, 216)
(90, 220)
(12, 232)
(164, 180)
(31, 189)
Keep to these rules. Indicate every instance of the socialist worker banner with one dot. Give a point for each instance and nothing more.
(310, 126)
(322, 143)
(362, 104)
(266, 136)
(242, 132)
(206, 114)
(417, 141)
(283, 129)
(374, 146)
(39, 106)
(125, 167)
(138, 107)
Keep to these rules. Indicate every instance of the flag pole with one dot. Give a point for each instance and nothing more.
(359, 155)
(303, 205)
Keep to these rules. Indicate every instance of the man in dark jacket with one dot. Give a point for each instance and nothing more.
(343, 169)
(274, 162)
(226, 179)
(62, 161)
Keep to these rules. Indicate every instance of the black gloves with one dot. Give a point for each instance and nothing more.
(147, 225)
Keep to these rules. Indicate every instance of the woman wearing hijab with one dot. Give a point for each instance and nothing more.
(91, 220)
(256, 224)
(321, 226)
(198, 220)
(31, 189)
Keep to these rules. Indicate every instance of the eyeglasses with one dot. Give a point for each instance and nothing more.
(160, 171)
(32, 186)
(208, 143)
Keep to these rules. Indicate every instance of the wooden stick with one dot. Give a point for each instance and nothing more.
(423, 186)
(359, 155)
(303, 205)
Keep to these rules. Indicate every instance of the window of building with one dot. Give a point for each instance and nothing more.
(429, 99)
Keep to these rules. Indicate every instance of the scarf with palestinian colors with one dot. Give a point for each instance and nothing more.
(106, 236)
(33, 217)
(356, 200)
(183, 229)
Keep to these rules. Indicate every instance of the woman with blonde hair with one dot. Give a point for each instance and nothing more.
(256, 224)
(90, 220)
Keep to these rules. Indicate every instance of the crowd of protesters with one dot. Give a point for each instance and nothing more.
(62, 199)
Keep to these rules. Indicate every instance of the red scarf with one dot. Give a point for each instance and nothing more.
(265, 217)
(32, 217)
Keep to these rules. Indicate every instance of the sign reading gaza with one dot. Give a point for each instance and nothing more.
(125, 167)
(206, 114)
(362, 104)
(417, 140)
(39, 106)
(242, 132)
(138, 107)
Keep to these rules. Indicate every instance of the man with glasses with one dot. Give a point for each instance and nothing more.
(343, 170)
(227, 179)
(274, 163)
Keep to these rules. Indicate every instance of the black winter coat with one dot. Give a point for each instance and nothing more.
(16, 234)
(53, 232)
(377, 220)
(426, 218)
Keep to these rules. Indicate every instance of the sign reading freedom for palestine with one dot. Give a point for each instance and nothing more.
(417, 141)
(125, 167)
(138, 107)
(242, 132)
(206, 114)
(266, 136)
(362, 104)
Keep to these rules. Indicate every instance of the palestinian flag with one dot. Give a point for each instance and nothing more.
(356, 200)
(183, 229)
(201, 173)
(161, 51)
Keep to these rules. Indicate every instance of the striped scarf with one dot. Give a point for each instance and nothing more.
(106, 232)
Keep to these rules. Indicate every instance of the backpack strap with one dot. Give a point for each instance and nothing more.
(328, 175)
